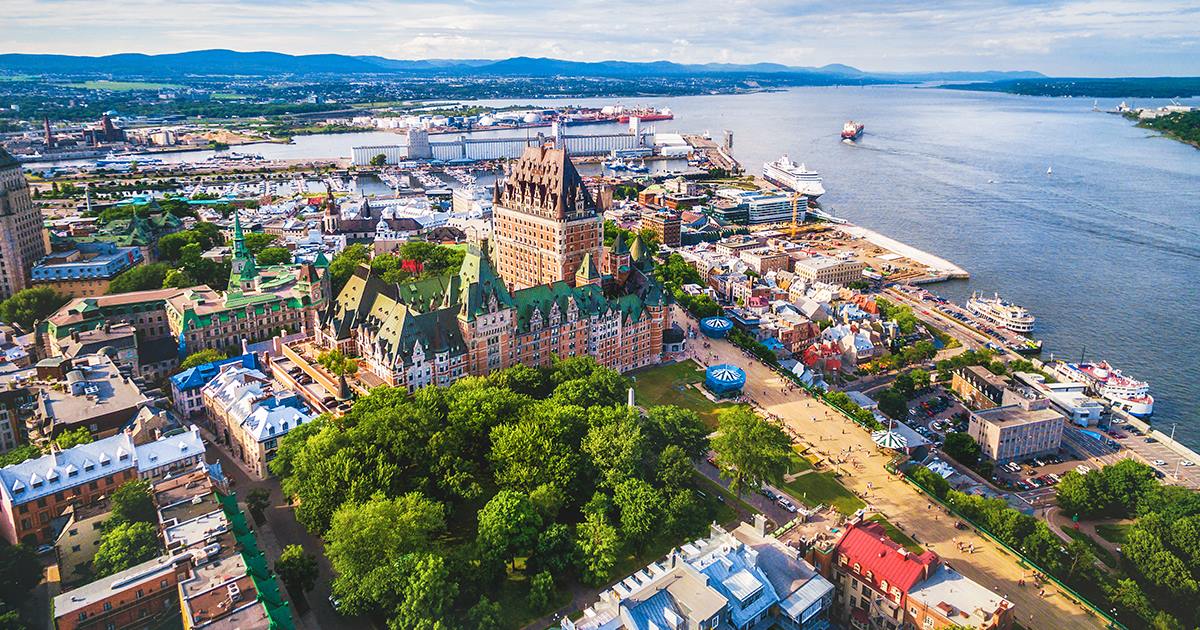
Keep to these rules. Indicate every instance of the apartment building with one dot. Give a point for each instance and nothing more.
(828, 270)
(21, 240)
(250, 417)
(741, 580)
(883, 586)
(36, 491)
(139, 597)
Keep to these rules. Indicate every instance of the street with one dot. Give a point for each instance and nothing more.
(281, 529)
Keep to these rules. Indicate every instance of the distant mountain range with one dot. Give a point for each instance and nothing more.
(229, 62)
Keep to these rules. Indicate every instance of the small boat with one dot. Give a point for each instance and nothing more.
(1049, 170)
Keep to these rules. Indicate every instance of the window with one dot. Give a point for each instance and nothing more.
(140, 594)
(107, 605)
(928, 622)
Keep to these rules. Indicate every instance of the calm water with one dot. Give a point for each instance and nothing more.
(1106, 251)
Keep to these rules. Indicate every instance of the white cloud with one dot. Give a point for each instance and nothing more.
(1055, 36)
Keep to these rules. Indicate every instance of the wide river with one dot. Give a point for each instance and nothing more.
(1105, 251)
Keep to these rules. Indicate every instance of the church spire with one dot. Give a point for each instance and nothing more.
(243, 270)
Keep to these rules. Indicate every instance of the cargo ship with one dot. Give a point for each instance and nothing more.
(646, 114)
(1107, 382)
(786, 173)
(852, 130)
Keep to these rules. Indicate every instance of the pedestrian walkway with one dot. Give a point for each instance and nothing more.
(903, 505)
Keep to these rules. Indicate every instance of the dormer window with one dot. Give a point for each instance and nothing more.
(857, 567)
(883, 585)
(870, 575)
(105, 459)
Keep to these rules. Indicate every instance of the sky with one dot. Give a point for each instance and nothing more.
(1059, 38)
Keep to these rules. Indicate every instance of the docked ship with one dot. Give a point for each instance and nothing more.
(1107, 382)
(852, 130)
(786, 173)
(998, 311)
(646, 114)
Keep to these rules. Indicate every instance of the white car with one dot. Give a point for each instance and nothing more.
(1159, 462)
(1187, 463)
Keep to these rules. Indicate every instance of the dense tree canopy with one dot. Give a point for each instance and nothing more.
(200, 357)
(453, 486)
(125, 545)
(31, 305)
(140, 278)
(749, 450)
(132, 502)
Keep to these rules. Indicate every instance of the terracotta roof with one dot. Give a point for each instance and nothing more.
(867, 545)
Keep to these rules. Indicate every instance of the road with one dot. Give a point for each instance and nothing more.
(902, 504)
(281, 529)
(769, 508)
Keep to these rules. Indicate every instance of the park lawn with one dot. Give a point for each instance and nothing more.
(670, 385)
(1100, 552)
(1114, 532)
(121, 86)
(895, 534)
(817, 488)
(798, 462)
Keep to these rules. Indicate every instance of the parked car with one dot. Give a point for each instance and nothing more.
(44, 549)
(787, 505)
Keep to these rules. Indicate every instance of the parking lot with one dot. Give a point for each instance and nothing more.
(1173, 466)
(935, 413)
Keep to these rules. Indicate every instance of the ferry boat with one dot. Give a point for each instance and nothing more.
(113, 160)
(786, 173)
(852, 130)
(1107, 382)
(996, 310)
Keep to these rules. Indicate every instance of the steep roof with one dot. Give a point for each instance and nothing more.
(868, 545)
(7, 160)
(544, 182)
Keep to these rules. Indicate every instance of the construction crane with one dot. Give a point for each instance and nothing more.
(796, 197)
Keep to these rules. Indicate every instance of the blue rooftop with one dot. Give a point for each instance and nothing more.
(200, 375)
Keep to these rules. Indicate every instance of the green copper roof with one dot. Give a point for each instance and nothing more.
(479, 285)
(7, 160)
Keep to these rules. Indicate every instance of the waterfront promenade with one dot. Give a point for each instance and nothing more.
(829, 433)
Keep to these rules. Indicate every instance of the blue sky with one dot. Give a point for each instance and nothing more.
(1064, 38)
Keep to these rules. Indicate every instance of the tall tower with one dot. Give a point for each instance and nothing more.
(544, 220)
(243, 271)
(21, 241)
(49, 139)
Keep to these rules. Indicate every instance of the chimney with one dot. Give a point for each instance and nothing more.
(245, 346)
(760, 524)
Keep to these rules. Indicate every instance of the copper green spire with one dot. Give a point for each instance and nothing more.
(242, 273)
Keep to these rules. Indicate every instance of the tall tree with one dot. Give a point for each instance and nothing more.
(20, 571)
(200, 357)
(366, 540)
(641, 508)
(75, 437)
(598, 544)
(133, 502)
(508, 526)
(31, 305)
(125, 545)
(298, 569)
(140, 278)
(749, 450)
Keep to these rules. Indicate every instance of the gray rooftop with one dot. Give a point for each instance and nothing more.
(151, 570)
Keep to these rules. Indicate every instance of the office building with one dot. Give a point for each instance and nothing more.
(1024, 430)
(828, 270)
(21, 241)
(85, 270)
(251, 418)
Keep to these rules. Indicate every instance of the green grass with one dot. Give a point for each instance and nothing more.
(895, 534)
(513, 597)
(725, 512)
(669, 385)
(1114, 532)
(121, 86)
(817, 488)
(798, 462)
(1100, 552)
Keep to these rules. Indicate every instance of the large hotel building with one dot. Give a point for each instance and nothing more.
(554, 291)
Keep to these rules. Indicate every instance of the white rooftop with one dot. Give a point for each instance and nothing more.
(170, 449)
(36, 478)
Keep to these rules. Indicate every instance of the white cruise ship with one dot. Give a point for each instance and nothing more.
(1107, 382)
(784, 172)
(1006, 314)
